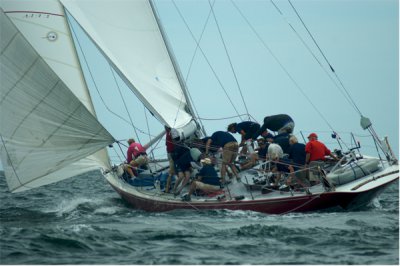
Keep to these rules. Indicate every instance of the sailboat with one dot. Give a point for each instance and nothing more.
(50, 130)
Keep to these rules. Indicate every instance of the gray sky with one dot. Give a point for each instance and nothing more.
(359, 38)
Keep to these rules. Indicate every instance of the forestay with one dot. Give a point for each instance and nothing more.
(47, 133)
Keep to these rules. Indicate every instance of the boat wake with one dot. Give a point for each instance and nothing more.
(82, 207)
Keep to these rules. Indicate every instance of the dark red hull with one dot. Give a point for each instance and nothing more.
(303, 203)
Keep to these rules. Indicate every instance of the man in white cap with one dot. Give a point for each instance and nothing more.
(207, 180)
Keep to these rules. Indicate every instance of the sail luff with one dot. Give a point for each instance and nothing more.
(103, 154)
(74, 51)
(174, 63)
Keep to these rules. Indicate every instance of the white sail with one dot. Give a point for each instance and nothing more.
(47, 132)
(128, 35)
(43, 24)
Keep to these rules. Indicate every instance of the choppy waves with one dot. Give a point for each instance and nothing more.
(82, 221)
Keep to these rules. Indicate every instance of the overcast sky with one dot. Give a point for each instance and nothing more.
(359, 39)
(274, 71)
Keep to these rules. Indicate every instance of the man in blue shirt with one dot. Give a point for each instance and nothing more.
(281, 123)
(230, 148)
(297, 152)
(246, 129)
(206, 180)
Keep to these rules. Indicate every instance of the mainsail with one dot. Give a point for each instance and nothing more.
(128, 35)
(47, 124)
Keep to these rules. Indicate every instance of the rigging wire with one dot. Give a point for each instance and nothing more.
(377, 141)
(95, 84)
(179, 108)
(281, 65)
(148, 129)
(155, 147)
(229, 59)
(189, 104)
(147, 121)
(327, 61)
(192, 62)
(205, 57)
(123, 100)
(225, 118)
(313, 54)
(116, 152)
(349, 98)
(91, 74)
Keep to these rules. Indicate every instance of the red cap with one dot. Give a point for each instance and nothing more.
(312, 135)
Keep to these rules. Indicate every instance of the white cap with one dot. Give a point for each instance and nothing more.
(206, 161)
(195, 153)
(174, 133)
(275, 151)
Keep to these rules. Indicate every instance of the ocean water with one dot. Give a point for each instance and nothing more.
(83, 221)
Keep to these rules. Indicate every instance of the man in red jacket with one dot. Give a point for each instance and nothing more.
(135, 156)
(315, 155)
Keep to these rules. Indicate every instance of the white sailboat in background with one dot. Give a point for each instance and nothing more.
(49, 129)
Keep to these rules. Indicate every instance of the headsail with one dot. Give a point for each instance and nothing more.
(47, 132)
(131, 40)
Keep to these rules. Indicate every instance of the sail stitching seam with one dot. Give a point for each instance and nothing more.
(26, 71)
